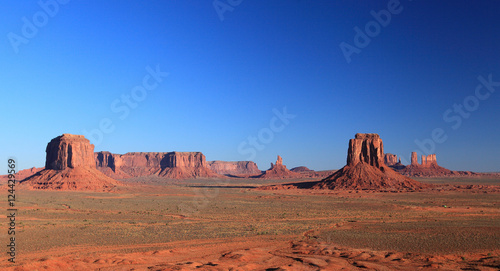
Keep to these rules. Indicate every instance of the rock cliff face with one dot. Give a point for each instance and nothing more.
(69, 165)
(69, 151)
(279, 171)
(390, 159)
(172, 165)
(366, 148)
(366, 170)
(234, 168)
(429, 160)
(414, 158)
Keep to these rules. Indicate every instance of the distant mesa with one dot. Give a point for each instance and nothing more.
(69, 165)
(279, 171)
(428, 168)
(236, 168)
(300, 169)
(393, 161)
(171, 165)
(390, 159)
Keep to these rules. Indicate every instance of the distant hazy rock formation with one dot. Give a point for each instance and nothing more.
(172, 165)
(429, 168)
(414, 158)
(234, 168)
(429, 160)
(366, 170)
(279, 171)
(300, 169)
(70, 165)
(390, 159)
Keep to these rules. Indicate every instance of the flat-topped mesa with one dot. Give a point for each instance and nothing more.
(234, 168)
(70, 165)
(428, 160)
(390, 159)
(414, 159)
(186, 159)
(366, 148)
(69, 151)
(175, 165)
(106, 159)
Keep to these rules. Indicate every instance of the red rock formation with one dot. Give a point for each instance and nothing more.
(390, 159)
(365, 169)
(185, 165)
(69, 165)
(279, 161)
(430, 168)
(279, 171)
(366, 148)
(414, 158)
(111, 164)
(300, 169)
(429, 160)
(25, 173)
(69, 151)
(172, 165)
(22, 174)
(234, 168)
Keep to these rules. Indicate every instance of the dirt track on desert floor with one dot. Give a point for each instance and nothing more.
(256, 253)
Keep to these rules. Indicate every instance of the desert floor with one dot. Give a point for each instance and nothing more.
(152, 224)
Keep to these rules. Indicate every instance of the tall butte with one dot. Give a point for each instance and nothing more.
(70, 165)
(366, 170)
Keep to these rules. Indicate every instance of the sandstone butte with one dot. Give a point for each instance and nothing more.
(69, 165)
(279, 171)
(428, 168)
(366, 169)
(234, 168)
(172, 165)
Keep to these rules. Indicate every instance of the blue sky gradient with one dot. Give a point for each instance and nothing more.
(225, 78)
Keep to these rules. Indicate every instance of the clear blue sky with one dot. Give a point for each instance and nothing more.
(225, 77)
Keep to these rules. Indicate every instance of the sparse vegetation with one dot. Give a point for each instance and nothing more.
(152, 214)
